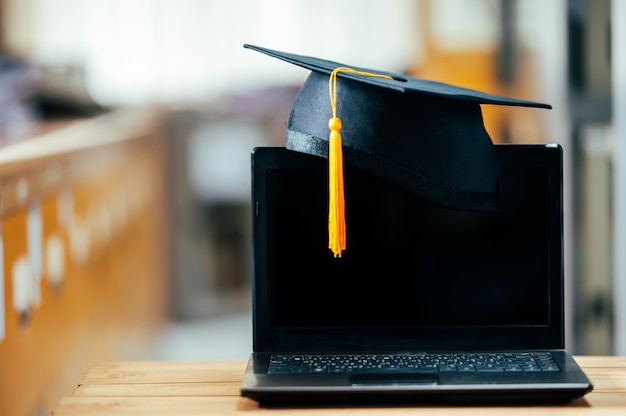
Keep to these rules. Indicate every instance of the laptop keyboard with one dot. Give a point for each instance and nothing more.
(355, 363)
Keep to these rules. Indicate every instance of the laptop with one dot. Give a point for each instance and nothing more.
(427, 304)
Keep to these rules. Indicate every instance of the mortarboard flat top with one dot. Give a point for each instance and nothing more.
(401, 83)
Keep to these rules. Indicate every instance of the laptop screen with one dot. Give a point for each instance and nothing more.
(411, 268)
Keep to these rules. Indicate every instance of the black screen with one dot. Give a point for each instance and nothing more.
(409, 263)
(414, 274)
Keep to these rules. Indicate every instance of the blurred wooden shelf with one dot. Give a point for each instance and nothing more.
(84, 252)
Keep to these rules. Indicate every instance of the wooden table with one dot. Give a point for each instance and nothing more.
(212, 388)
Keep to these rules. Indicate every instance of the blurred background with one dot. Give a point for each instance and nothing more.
(80, 77)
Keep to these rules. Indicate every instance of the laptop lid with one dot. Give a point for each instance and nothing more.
(415, 276)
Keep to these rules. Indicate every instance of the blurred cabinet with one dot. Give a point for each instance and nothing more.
(211, 233)
(210, 151)
(84, 260)
(590, 94)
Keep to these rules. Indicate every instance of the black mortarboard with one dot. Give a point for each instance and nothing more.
(427, 137)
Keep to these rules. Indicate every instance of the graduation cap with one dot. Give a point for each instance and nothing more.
(427, 137)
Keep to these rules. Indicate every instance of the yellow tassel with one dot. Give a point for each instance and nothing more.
(336, 208)
(336, 199)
